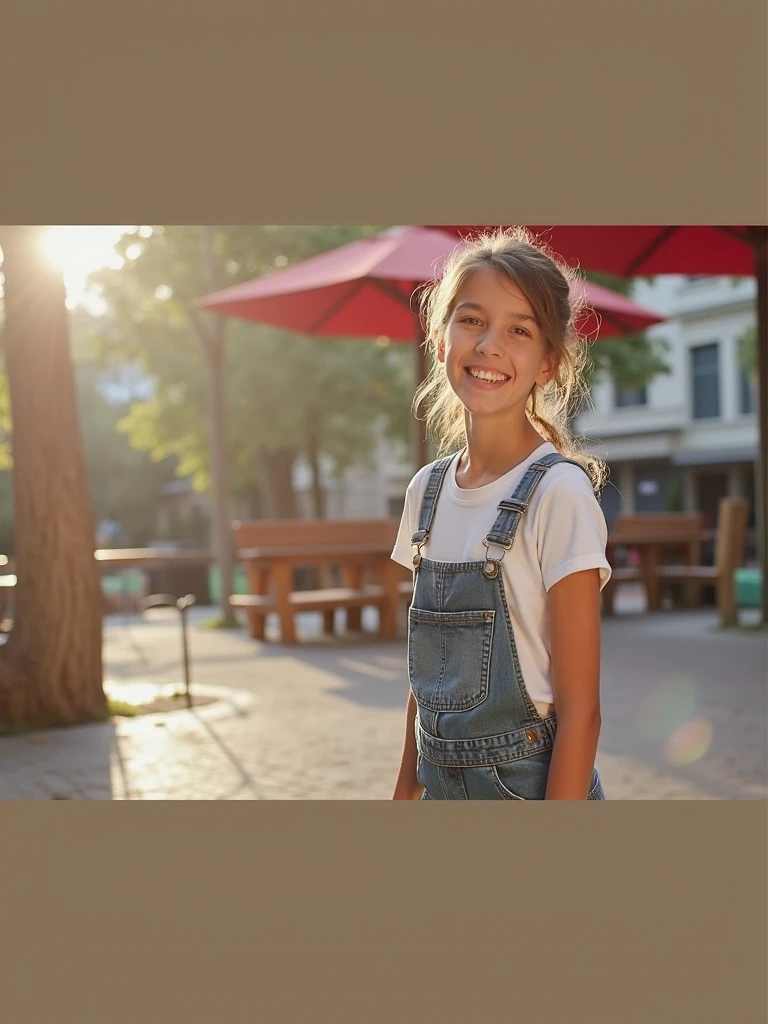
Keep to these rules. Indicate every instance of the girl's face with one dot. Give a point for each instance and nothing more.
(493, 347)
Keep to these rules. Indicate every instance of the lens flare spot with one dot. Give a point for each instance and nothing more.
(689, 742)
(669, 705)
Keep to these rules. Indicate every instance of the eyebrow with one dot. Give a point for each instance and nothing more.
(481, 309)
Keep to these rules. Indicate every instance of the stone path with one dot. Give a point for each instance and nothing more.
(685, 716)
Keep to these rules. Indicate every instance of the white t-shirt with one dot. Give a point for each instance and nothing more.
(562, 532)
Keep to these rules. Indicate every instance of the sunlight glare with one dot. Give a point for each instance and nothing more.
(79, 250)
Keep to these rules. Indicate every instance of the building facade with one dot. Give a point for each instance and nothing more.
(690, 437)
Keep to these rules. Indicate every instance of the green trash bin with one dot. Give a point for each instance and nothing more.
(748, 587)
(129, 582)
(239, 584)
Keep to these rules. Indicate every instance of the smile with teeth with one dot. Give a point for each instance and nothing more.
(487, 376)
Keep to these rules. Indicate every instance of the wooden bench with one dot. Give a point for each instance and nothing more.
(655, 537)
(272, 551)
(730, 545)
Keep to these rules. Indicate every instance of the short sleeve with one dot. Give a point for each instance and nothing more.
(403, 549)
(571, 530)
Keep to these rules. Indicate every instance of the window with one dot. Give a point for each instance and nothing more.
(623, 398)
(705, 373)
(746, 393)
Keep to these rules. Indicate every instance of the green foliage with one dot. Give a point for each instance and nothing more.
(281, 388)
(631, 361)
(124, 483)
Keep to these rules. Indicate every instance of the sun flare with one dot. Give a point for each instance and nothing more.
(79, 250)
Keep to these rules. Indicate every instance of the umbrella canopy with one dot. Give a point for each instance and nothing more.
(610, 315)
(362, 288)
(642, 250)
(365, 288)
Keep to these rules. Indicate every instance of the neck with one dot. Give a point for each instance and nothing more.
(493, 450)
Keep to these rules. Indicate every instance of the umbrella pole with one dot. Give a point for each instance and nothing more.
(761, 491)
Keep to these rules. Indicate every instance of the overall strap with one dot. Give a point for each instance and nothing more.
(429, 501)
(511, 510)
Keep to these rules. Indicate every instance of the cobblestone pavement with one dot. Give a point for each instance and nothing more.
(684, 717)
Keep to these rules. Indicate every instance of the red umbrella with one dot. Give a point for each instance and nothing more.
(365, 288)
(642, 250)
(639, 250)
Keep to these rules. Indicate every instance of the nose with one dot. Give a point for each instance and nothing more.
(489, 343)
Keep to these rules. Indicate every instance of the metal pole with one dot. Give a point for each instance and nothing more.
(182, 605)
(222, 520)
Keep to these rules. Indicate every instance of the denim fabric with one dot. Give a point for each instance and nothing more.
(478, 733)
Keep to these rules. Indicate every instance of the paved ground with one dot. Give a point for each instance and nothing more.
(684, 712)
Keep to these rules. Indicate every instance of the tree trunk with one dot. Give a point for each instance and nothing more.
(313, 457)
(279, 495)
(51, 666)
(222, 520)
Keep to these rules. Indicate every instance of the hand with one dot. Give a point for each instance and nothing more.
(407, 791)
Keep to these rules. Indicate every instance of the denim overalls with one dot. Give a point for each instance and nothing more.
(478, 734)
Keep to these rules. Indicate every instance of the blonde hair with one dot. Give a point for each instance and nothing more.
(548, 285)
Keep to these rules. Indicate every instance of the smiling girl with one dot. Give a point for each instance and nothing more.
(506, 540)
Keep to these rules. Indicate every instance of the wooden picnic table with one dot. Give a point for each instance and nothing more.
(271, 569)
(653, 550)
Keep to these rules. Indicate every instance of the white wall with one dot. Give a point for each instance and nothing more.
(702, 312)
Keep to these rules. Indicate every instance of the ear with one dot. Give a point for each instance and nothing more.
(440, 347)
(548, 369)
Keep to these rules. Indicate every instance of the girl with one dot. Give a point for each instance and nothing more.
(506, 540)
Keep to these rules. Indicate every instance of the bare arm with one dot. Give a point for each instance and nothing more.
(574, 607)
(407, 786)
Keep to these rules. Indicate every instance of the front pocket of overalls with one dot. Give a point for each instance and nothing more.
(449, 658)
(524, 778)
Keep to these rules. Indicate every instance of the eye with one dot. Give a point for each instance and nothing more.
(522, 330)
(466, 319)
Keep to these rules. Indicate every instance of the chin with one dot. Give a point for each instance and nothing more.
(478, 405)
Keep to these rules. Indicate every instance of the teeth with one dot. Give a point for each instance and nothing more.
(487, 375)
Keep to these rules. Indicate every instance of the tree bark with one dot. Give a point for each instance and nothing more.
(51, 666)
(222, 520)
